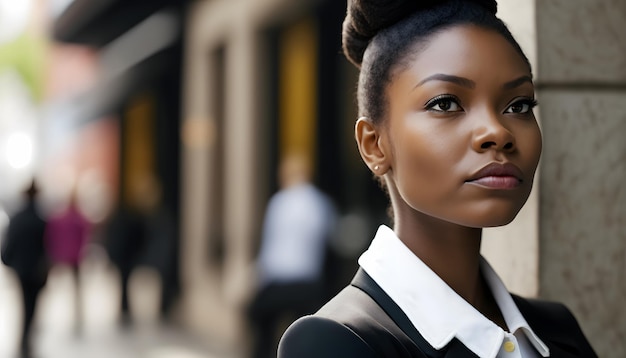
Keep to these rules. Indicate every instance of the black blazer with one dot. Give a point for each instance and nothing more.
(363, 321)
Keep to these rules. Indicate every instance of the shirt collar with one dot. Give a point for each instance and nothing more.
(436, 311)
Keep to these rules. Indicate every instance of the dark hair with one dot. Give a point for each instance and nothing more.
(379, 35)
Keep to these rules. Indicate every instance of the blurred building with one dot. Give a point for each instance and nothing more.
(112, 116)
(209, 94)
(261, 79)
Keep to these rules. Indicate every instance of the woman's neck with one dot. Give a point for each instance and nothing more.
(451, 251)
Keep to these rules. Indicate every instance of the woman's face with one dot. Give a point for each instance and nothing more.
(463, 140)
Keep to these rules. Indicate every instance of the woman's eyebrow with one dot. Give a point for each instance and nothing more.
(465, 82)
(517, 82)
(461, 81)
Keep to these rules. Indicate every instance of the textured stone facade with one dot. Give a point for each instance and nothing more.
(582, 80)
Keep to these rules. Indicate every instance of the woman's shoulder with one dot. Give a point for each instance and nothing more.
(554, 323)
(330, 332)
(315, 336)
(352, 324)
(546, 313)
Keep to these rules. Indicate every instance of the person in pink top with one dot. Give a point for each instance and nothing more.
(67, 234)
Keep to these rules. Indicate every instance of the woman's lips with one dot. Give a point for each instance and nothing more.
(498, 176)
(498, 182)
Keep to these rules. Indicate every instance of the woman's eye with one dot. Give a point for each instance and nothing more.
(521, 107)
(443, 104)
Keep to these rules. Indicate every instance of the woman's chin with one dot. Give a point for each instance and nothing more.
(497, 219)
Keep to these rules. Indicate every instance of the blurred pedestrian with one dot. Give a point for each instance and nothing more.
(159, 251)
(66, 237)
(141, 232)
(298, 224)
(24, 252)
(123, 241)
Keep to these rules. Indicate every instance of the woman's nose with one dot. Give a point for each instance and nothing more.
(491, 134)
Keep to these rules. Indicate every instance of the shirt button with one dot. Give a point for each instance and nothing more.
(509, 346)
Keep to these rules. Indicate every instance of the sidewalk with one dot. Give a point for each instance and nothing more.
(148, 342)
(55, 334)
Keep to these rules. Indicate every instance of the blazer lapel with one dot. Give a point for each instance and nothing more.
(405, 331)
(558, 339)
(545, 319)
(364, 282)
(562, 350)
(456, 349)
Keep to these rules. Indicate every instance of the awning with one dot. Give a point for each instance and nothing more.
(98, 22)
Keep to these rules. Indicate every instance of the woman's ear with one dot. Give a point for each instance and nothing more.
(371, 145)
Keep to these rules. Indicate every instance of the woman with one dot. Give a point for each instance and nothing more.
(445, 97)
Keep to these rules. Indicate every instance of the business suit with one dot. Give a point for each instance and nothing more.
(363, 321)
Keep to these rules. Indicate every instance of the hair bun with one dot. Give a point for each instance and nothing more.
(365, 18)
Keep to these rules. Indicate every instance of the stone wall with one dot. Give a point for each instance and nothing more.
(582, 95)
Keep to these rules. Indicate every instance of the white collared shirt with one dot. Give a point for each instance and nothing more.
(438, 313)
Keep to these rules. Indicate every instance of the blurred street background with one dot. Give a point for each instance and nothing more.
(158, 127)
(57, 334)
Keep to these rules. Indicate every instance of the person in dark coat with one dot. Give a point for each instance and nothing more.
(24, 252)
(124, 241)
(142, 232)
(159, 251)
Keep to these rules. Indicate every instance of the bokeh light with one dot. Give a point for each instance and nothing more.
(13, 18)
(19, 150)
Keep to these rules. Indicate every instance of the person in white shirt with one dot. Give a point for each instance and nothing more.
(298, 223)
(446, 99)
